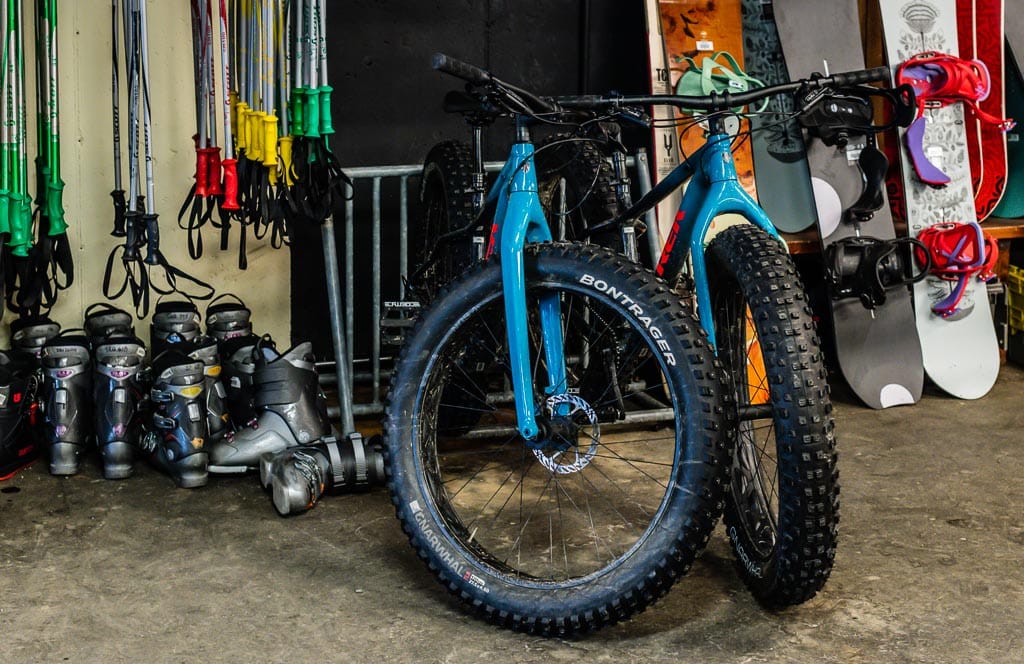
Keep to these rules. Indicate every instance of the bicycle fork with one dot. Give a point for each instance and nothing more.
(519, 220)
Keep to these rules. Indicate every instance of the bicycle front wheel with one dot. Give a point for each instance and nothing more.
(782, 507)
(595, 519)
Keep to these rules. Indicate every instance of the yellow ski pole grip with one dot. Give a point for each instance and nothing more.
(270, 140)
(233, 113)
(256, 135)
(285, 145)
(242, 138)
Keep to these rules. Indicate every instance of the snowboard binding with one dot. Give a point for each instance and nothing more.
(866, 267)
(938, 80)
(956, 252)
(837, 117)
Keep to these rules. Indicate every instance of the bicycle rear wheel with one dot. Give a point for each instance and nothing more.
(611, 505)
(782, 507)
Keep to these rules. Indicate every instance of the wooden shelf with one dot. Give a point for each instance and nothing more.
(808, 242)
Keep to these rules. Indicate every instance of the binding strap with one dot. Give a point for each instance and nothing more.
(957, 252)
(940, 79)
(865, 267)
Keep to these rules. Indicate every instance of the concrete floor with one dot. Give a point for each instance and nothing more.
(929, 567)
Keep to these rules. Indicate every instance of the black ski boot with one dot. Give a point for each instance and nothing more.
(292, 410)
(173, 322)
(176, 438)
(65, 399)
(118, 391)
(30, 333)
(204, 349)
(238, 363)
(298, 476)
(19, 443)
(103, 321)
(228, 320)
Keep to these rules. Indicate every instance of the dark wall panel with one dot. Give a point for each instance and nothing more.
(387, 99)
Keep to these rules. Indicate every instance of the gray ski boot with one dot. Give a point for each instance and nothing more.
(176, 439)
(173, 322)
(228, 320)
(118, 392)
(103, 321)
(298, 476)
(30, 333)
(292, 410)
(238, 364)
(65, 399)
(204, 349)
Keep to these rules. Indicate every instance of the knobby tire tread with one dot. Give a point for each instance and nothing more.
(552, 613)
(747, 258)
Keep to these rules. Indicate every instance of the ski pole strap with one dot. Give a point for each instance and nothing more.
(866, 267)
(940, 79)
(957, 252)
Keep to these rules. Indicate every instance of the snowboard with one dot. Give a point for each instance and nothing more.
(878, 350)
(663, 139)
(980, 33)
(961, 353)
(698, 29)
(781, 175)
(1012, 204)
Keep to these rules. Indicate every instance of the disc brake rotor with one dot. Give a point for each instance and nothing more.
(565, 456)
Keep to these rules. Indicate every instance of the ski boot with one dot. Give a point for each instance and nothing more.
(176, 439)
(292, 410)
(173, 322)
(30, 333)
(228, 320)
(204, 349)
(117, 394)
(103, 321)
(238, 363)
(298, 476)
(65, 399)
(19, 444)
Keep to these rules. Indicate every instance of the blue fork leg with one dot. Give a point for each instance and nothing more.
(522, 222)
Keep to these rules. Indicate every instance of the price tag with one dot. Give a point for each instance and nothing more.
(705, 45)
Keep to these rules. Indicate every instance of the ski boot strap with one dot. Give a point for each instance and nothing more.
(957, 252)
(865, 267)
(939, 79)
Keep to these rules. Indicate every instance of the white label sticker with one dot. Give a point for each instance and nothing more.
(934, 154)
(705, 45)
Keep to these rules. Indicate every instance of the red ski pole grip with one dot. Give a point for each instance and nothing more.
(230, 184)
(213, 187)
(202, 172)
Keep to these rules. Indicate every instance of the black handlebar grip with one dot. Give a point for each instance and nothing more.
(863, 76)
(460, 69)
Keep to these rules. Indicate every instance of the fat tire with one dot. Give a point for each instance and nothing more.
(748, 267)
(677, 534)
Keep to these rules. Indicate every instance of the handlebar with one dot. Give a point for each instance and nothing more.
(713, 102)
(720, 101)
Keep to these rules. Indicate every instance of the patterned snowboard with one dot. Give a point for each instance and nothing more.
(980, 33)
(664, 139)
(699, 28)
(961, 354)
(780, 163)
(878, 350)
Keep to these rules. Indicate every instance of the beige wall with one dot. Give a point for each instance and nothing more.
(87, 163)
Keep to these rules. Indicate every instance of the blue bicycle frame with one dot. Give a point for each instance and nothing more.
(714, 189)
